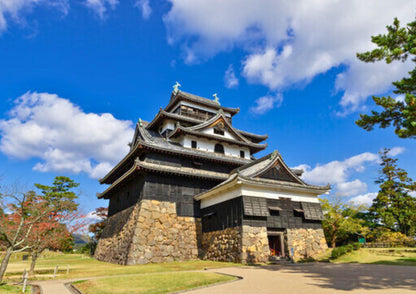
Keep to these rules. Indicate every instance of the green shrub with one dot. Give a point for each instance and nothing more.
(356, 246)
(349, 247)
(339, 251)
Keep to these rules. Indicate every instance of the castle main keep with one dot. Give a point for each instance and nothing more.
(190, 187)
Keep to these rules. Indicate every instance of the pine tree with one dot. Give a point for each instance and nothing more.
(398, 44)
(394, 207)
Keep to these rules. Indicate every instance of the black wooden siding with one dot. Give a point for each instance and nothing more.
(245, 210)
(165, 187)
(179, 161)
(126, 195)
(176, 189)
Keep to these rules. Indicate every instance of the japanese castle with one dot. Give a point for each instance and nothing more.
(190, 187)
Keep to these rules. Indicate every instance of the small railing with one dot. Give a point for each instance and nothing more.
(389, 244)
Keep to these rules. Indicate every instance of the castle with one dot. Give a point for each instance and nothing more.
(191, 188)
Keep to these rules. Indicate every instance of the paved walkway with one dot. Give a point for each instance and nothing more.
(299, 278)
(317, 278)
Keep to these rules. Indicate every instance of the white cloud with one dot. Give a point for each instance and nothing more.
(340, 174)
(145, 8)
(92, 215)
(15, 10)
(396, 151)
(100, 7)
(230, 79)
(62, 136)
(336, 172)
(287, 42)
(365, 199)
(351, 188)
(266, 103)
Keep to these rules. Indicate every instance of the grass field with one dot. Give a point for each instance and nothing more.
(83, 266)
(390, 256)
(11, 289)
(151, 283)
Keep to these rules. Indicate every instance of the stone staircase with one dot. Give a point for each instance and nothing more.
(279, 260)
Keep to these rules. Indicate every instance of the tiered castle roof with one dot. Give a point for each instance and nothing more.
(189, 117)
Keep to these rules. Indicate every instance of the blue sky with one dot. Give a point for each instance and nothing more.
(75, 76)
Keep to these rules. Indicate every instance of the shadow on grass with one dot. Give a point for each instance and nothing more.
(398, 261)
(355, 276)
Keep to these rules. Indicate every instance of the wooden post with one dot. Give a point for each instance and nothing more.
(55, 271)
(24, 283)
(24, 274)
(67, 270)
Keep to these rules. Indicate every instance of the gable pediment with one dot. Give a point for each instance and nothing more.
(277, 172)
(220, 126)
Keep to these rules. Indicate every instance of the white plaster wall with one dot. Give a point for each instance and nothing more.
(226, 133)
(208, 145)
(168, 124)
(245, 190)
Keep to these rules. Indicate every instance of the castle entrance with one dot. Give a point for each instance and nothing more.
(276, 244)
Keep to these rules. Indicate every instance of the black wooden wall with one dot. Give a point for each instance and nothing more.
(254, 211)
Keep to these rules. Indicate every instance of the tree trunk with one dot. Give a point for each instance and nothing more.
(333, 241)
(33, 263)
(5, 262)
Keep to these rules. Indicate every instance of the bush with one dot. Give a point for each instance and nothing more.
(356, 246)
(339, 251)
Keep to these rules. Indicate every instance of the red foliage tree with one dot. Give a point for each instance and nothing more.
(54, 232)
(22, 212)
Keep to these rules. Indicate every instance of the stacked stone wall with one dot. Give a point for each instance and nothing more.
(255, 245)
(114, 244)
(149, 232)
(222, 245)
(306, 242)
(162, 236)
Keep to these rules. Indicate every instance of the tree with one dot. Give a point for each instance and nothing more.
(54, 233)
(340, 221)
(398, 44)
(394, 207)
(97, 228)
(24, 210)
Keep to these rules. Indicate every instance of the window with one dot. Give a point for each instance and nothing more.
(193, 144)
(219, 148)
(218, 132)
(242, 154)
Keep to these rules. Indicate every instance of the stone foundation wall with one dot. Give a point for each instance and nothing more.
(162, 236)
(255, 245)
(222, 245)
(115, 241)
(306, 242)
(149, 232)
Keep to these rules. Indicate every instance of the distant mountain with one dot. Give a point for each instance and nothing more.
(80, 240)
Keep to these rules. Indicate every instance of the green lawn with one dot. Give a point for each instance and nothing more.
(84, 266)
(11, 289)
(151, 283)
(391, 256)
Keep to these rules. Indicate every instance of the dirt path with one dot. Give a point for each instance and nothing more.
(299, 278)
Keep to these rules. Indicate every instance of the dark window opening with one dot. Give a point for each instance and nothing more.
(218, 132)
(193, 144)
(219, 148)
(242, 154)
(274, 212)
(298, 212)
